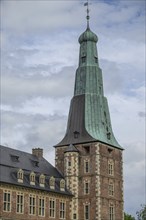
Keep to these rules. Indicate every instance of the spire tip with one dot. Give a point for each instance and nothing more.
(87, 17)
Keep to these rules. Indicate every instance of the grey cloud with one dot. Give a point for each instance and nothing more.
(113, 80)
(142, 114)
(24, 15)
(120, 78)
(25, 88)
(31, 130)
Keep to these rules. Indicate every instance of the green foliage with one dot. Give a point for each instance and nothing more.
(128, 217)
(141, 215)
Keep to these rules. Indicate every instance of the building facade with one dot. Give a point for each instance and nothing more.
(30, 187)
(87, 180)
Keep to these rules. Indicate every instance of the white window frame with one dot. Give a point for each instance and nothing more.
(52, 208)
(52, 182)
(62, 209)
(20, 176)
(111, 188)
(62, 185)
(20, 203)
(32, 178)
(41, 206)
(42, 180)
(32, 204)
(111, 211)
(7, 201)
(111, 167)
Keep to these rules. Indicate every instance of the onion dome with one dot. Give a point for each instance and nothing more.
(88, 35)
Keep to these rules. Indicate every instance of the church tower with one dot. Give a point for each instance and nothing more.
(89, 156)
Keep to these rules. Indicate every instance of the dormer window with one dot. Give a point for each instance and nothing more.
(108, 135)
(32, 178)
(62, 185)
(76, 134)
(83, 59)
(96, 59)
(52, 183)
(42, 180)
(35, 163)
(20, 175)
(86, 149)
(15, 158)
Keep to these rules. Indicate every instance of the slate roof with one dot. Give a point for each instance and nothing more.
(11, 160)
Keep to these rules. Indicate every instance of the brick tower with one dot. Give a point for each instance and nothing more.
(89, 156)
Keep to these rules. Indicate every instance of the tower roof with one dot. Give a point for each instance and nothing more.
(89, 117)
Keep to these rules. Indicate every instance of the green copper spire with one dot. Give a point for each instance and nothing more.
(89, 118)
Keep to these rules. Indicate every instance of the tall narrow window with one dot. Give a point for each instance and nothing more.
(62, 210)
(86, 166)
(111, 212)
(111, 167)
(96, 60)
(32, 204)
(86, 188)
(83, 59)
(69, 163)
(74, 216)
(20, 203)
(111, 188)
(87, 212)
(7, 201)
(41, 203)
(52, 208)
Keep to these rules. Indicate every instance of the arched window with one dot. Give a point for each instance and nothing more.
(20, 175)
(42, 180)
(32, 178)
(52, 182)
(62, 185)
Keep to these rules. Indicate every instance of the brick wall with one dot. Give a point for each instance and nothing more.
(26, 216)
(98, 198)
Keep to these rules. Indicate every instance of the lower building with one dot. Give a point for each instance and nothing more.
(30, 187)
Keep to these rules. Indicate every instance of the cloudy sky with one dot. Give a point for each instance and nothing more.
(39, 56)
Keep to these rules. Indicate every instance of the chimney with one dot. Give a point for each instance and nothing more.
(37, 152)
